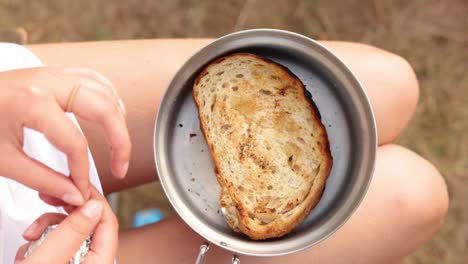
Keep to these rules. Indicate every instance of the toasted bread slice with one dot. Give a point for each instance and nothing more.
(270, 149)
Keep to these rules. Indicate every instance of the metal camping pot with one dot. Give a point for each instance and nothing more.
(186, 169)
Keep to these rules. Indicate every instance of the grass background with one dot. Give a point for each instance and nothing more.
(432, 35)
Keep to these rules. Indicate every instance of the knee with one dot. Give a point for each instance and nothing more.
(402, 94)
(396, 73)
(392, 87)
(421, 198)
(404, 83)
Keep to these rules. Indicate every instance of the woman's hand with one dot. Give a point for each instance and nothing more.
(64, 241)
(38, 98)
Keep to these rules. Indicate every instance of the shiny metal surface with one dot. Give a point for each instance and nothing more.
(186, 170)
(201, 255)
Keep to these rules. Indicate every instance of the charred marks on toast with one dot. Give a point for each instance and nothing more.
(219, 60)
(244, 151)
(277, 103)
(282, 91)
(239, 219)
(197, 81)
(306, 93)
(247, 149)
(261, 162)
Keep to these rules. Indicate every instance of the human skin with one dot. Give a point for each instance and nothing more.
(37, 98)
(95, 216)
(406, 201)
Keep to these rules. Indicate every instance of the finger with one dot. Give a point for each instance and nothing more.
(35, 230)
(21, 252)
(69, 235)
(105, 238)
(56, 202)
(64, 135)
(69, 208)
(120, 151)
(105, 109)
(37, 176)
(96, 76)
(89, 73)
(92, 104)
(50, 200)
(107, 114)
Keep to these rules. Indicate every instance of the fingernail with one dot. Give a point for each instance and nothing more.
(30, 230)
(73, 199)
(92, 209)
(122, 107)
(124, 170)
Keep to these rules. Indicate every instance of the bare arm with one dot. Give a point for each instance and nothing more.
(142, 69)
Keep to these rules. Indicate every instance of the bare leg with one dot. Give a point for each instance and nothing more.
(403, 208)
(141, 70)
(405, 203)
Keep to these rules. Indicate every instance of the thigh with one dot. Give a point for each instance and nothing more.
(404, 206)
(141, 71)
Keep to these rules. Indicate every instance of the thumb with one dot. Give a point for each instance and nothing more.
(63, 242)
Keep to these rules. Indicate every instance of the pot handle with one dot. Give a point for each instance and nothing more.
(204, 248)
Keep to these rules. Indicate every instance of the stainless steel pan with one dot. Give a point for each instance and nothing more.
(186, 170)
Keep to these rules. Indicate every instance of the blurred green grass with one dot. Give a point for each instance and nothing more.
(432, 35)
